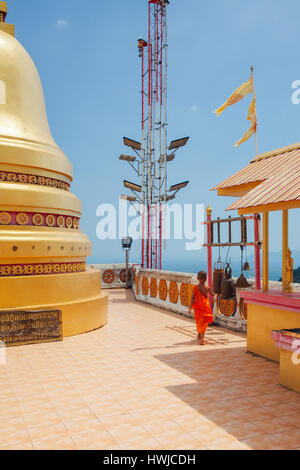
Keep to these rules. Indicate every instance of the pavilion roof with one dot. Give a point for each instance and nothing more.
(271, 178)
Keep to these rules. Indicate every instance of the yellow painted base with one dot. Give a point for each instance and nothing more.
(261, 322)
(78, 295)
(289, 372)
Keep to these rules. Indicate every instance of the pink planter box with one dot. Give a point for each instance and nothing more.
(287, 339)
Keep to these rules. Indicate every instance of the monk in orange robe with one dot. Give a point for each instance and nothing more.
(200, 303)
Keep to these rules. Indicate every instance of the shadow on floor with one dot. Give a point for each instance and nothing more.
(234, 390)
(214, 337)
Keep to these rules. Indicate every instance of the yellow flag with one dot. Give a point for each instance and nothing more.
(246, 136)
(238, 95)
(251, 117)
(252, 111)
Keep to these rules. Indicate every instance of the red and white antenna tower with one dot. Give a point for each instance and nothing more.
(152, 152)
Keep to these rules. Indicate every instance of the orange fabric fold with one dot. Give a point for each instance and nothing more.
(202, 311)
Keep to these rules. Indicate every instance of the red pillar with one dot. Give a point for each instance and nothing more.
(257, 252)
(209, 254)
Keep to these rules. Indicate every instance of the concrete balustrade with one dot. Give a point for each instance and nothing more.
(113, 276)
(165, 289)
(172, 291)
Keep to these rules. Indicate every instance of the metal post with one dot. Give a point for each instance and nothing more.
(285, 243)
(143, 163)
(266, 251)
(127, 269)
(152, 167)
(209, 254)
(257, 252)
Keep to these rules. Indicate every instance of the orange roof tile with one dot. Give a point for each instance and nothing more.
(264, 167)
(277, 175)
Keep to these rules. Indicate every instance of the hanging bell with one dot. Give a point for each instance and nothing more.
(218, 277)
(242, 282)
(246, 267)
(228, 285)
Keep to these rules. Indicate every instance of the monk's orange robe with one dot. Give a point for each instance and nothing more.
(202, 311)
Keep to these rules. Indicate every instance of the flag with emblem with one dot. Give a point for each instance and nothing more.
(238, 95)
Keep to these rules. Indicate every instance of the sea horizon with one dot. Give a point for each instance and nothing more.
(187, 266)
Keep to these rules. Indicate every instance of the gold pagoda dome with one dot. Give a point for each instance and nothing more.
(43, 251)
(25, 135)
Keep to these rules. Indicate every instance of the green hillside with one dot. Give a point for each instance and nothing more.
(297, 275)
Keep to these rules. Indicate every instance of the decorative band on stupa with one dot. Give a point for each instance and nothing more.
(41, 269)
(39, 220)
(33, 179)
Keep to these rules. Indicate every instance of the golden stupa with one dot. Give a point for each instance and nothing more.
(43, 252)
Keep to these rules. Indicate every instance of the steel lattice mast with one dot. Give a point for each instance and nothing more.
(152, 193)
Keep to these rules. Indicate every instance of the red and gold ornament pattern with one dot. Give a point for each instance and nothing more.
(22, 218)
(173, 292)
(153, 288)
(186, 291)
(50, 220)
(69, 222)
(163, 289)
(33, 179)
(5, 218)
(122, 276)
(39, 220)
(227, 307)
(145, 286)
(60, 221)
(108, 276)
(40, 269)
(243, 309)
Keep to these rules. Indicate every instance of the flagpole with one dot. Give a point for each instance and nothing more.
(256, 142)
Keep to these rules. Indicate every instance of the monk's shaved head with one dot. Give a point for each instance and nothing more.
(202, 276)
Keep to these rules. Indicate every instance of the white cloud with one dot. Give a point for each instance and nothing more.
(194, 108)
(62, 23)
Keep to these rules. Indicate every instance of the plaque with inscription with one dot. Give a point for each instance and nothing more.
(20, 328)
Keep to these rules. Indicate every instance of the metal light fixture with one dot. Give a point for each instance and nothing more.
(126, 243)
(176, 144)
(177, 187)
(169, 158)
(132, 186)
(128, 198)
(168, 198)
(132, 143)
(127, 158)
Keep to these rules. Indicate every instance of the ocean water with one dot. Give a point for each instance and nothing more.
(190, 266)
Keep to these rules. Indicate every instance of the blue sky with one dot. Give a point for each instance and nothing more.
(86, 54)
